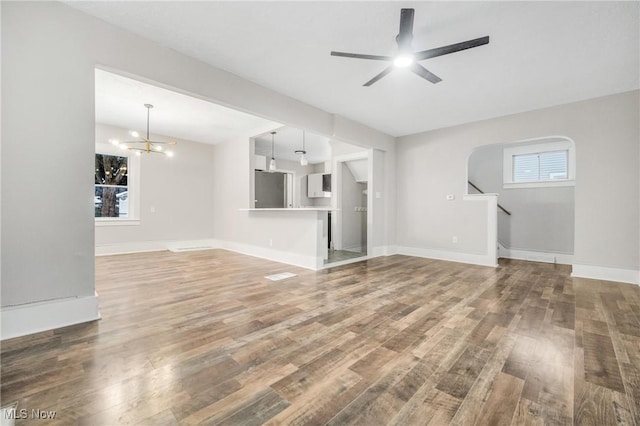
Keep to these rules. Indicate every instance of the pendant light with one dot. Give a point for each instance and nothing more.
(145, 145)
(303, 153)
(272, 163)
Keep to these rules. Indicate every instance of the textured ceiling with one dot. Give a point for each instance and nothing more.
(120, 102)
(541, 53)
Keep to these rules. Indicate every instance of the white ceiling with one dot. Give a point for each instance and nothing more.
(120, 102)
(540, 54)
(288, 139)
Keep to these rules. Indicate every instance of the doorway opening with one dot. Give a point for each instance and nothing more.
(350, 222)
(535, 183)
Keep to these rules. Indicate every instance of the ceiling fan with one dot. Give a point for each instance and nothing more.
(406, 57)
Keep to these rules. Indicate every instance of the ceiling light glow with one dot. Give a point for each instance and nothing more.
(402, 61)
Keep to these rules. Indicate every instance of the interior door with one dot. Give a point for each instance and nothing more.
(270, 189)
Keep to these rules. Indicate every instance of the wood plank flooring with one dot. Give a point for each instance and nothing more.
(204, 338)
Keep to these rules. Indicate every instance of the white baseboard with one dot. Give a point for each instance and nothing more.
(193, 245)
(146, 246)
(534, 256)
(384, 251)
(309, 262)
(452, 256)
(606, 274)
(30, 318)
(303, 261)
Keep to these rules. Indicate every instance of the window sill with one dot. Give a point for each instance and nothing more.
(117, 222)
(543, 184)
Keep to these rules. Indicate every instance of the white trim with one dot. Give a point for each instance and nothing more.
(30, 318)
(538, 146)
(491, 258)
(534, 255)
(103, 221)
(146, 246)
(452, 256)
(539, 184)
(383, 251)
(606, 274)
(304, 261)
(133, 183)
(292, 209)
(336, 191)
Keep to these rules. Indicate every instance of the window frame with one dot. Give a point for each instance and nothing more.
(133, 186)
(538, 148)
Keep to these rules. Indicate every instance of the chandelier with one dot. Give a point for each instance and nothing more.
(145, 144)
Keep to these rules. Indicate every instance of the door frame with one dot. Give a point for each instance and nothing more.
(336, 186)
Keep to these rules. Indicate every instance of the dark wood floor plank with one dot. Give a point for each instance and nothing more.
(203, 338)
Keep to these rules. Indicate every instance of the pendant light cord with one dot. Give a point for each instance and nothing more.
(272, 144)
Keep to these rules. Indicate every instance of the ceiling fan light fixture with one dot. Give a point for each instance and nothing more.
(407, 57)
(403, 61)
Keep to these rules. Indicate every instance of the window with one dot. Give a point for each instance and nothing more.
(111, 198)
(549, 162)
(115, 196)
(540, 166)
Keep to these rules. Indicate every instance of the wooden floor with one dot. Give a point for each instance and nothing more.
(202, 337)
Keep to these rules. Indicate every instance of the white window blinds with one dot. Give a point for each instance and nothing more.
(540, 166)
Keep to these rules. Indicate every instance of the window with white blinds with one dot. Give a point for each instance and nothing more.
(540, 166)
(544, 162)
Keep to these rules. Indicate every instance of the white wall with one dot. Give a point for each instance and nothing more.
(542, 219)
(290, 236)
(179, 189)
(606, 134)
(49, 55)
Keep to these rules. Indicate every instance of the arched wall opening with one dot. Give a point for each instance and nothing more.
(535, 182)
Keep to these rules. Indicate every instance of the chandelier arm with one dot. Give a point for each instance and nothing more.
(149, 145)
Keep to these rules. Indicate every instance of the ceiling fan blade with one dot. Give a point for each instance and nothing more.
(452, 48)
(424, 73)
(384, 72)
(405, 35)
(361, 56)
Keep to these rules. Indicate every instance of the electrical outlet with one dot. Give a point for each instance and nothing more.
(454, 240)
(270, 242)
(152, 209)
(451, 197)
